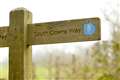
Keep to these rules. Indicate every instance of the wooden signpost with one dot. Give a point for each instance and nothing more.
(64, 31)
(21, 34)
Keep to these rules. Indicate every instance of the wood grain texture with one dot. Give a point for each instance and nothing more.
(20, 54)
(62, 32)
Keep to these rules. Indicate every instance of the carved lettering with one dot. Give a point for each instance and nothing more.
(3, 37)
(3, 33)
(52, 32)
(75, 30)
(40, 33)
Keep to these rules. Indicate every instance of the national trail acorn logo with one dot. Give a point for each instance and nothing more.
(89, 29)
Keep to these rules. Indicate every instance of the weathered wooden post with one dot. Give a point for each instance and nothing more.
(20, 54)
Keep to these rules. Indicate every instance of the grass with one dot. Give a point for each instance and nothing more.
(41, 73)
(3, 72)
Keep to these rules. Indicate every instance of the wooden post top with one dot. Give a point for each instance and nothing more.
(19, 9)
